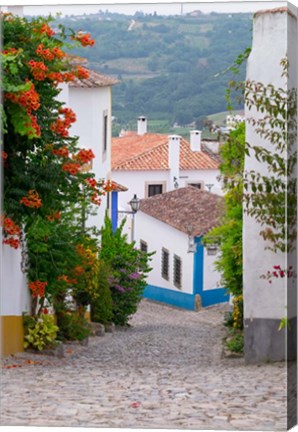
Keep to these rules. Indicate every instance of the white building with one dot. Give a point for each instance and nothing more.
(150, 163)
(265, 305)
(172, 225)
(91, 100)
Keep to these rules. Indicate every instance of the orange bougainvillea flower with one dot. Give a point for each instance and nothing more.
(85, 156)
(28, 99)
(31, 200)
(82, 72)
(38, 70)
(108, 186)
(91, 182)
(38, 288)
(95, 198)
(10, 228)
(54, 216)
(71, 167)
(45, 29)
(84, 39)
(62, 152)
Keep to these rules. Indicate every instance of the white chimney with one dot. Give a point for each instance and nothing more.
(142, 125)
(174, 157)
(195, 140)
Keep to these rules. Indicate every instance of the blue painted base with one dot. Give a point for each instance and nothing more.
(214, 296)
(184, 300)
(173, 298)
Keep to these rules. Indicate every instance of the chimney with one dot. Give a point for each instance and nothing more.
(142, 125)
(195, 140)
(174, 158)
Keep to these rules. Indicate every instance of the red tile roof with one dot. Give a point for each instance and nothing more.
(95, 79)
(134, 152)
(187, 209)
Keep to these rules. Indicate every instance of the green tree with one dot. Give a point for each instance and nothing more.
(229, 233)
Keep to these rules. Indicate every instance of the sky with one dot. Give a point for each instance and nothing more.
(163, 8)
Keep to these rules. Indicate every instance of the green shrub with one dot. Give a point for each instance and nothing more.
(129, 267)
(73, 326)
(236, 343)
(102, 303)
(40, 332)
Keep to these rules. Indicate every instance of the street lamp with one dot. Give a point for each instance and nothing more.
(134, 203)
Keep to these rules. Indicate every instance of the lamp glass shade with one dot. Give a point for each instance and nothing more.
(135, 203)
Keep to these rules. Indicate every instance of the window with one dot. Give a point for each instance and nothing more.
(143, 246)
(177, 271)
(198, 185)
(165, 259)
(105, 133)
(155, 188)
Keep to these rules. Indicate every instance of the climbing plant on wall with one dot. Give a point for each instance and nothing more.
(45, 187)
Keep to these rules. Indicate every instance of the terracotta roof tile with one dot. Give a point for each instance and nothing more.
(95, 79)
(187, 209)
(117, 187)
(134, 152)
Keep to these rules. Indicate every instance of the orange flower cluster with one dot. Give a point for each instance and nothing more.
(85, 156)
(49, 54)
(38, 70)
(28, 99)
(95, 199)
(34, 128)
(62, 152)
(56, 77)
(82, 73)
(55, 216)
(13, 51)
(66, 279)
(4, 155)
(84, 39)
(38, 288)
(108, 186)
(60, 126)
(45, 29)
(91, 182)
(78, 270)
(71, 167)
(32, 200)
(11, 229)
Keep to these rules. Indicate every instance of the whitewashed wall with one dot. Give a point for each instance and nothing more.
(263, 300)
(90, 104)
(266, 304)
(158, 235)
(15, 298)
(211, 278)
(136, 181)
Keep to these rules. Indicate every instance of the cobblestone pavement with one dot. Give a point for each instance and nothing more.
(166, 371)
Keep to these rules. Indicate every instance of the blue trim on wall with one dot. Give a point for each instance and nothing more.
(114, 210)
(208, 297)
(214, 296)
(198, 267)
(169, 296)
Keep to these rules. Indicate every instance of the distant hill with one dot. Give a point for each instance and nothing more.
(170, 68)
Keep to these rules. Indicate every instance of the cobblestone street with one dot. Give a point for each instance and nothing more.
(165, 371)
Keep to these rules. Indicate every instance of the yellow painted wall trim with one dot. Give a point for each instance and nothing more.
(12, 335)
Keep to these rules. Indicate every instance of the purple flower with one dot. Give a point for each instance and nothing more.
(134, 275)
(120, 288)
